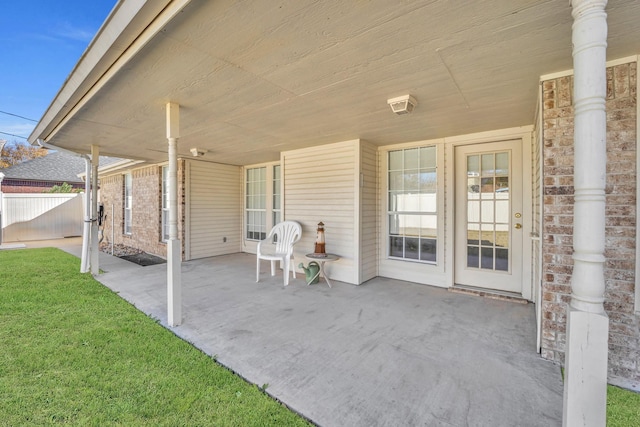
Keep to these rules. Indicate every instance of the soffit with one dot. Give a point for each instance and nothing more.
(257, 78)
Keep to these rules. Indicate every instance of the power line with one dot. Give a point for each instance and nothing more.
(16, 136)
(21, 117)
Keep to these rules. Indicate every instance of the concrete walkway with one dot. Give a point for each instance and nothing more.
(386, 353)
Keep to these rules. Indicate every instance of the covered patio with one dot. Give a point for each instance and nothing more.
(384, 353)
(225, 87)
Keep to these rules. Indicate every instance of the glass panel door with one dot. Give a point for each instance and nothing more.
(488, 211)
(488, 216)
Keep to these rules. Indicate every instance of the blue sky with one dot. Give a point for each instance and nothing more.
(40, 43)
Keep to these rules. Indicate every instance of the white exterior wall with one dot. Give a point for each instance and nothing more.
(368, 211)
(214, 209)
(322, 184)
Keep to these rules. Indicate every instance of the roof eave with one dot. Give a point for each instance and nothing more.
(126, 22)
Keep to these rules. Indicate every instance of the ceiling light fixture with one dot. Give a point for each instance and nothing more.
(402, 104)
(197, 152)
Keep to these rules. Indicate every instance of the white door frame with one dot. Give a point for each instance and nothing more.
(524, 134)
(509, 280)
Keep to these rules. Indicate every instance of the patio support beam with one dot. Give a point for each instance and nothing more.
(95, 162)
(1, 178)
(85, 263)
(586, 352)
(174, 252)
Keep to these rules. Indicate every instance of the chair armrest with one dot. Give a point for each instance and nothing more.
(266, 239)
(294, 243)
(298, 238)
(259, 247)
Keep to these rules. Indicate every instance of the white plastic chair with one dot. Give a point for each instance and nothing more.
(287, 234)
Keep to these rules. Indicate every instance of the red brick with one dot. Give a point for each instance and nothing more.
(146, 209)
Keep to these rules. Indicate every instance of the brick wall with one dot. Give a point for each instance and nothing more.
(146, 209)
(24, 186)
(624, 336)
(111, 196)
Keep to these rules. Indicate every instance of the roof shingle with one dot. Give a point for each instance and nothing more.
(55, 166)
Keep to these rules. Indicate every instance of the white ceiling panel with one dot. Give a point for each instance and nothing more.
(254, 78)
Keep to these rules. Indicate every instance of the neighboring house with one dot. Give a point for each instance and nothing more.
(285, 116)
(41, 174)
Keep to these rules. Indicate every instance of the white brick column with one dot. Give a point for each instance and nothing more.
(174, 252)
(586, 353)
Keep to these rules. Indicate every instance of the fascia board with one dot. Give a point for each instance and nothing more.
(115, 167)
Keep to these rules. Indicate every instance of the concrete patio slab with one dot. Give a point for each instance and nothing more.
(386, 353)
(9, 246)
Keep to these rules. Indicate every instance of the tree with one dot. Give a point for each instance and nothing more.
(17, 152)
(65, 187)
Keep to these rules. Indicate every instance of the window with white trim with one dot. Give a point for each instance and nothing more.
(128, 202)
(256, 203)
(412, 204)
(277, 196)
(165, 204)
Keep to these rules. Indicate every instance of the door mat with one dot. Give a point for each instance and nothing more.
(130, 254)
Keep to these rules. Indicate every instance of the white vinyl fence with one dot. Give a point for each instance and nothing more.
(41, 216)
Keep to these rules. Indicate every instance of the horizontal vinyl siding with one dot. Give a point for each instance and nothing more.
(369, 212)
(319, 185)
(215, 209)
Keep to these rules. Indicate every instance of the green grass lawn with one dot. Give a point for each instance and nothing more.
(623, 408)
(73, 352)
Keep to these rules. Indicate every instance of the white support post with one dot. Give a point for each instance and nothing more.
(1, 178)
(586, 351)
(174, 248)
(86, 229)
(95, 162)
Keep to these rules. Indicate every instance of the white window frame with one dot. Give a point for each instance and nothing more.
(127, 205)
(276, 194)
(415, 211)
(414, 271)
(270, 209)
(255, 197)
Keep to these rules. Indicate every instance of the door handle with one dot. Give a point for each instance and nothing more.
(518, 226)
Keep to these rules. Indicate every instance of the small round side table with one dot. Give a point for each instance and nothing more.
(321, 259)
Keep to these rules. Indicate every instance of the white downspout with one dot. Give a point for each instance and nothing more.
(94, 250)
(86, 231)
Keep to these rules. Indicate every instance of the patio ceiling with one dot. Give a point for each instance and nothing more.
(257, 78)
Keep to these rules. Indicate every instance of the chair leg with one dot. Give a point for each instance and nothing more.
(257, 269)
(285, 271)
(273, 268)
(294, 268)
